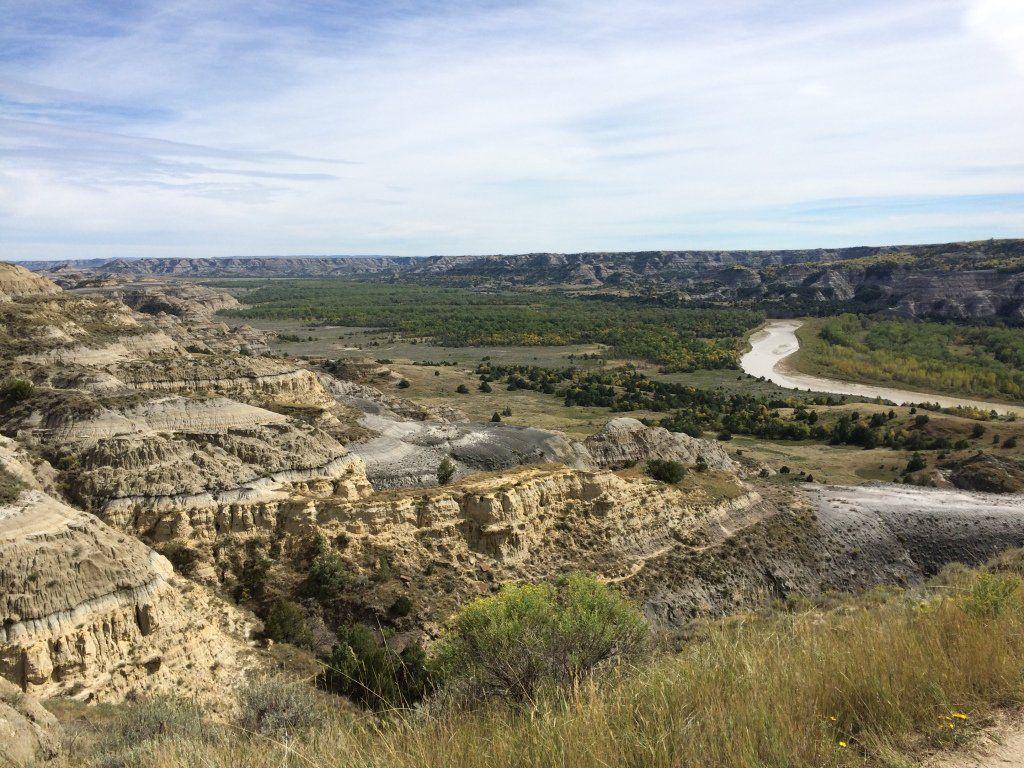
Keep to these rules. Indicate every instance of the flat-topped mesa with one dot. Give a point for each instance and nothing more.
(89, 612)
(18, 283)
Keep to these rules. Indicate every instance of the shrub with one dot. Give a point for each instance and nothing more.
(991, 594)
(404, 384)
(784, 470)
(916, 463)
(253, 579)
(462, 389)
(496, 417)
(725, 436)
(666, 470)
(10, 487)
(401, 607)
(286, 623)
(182, 556)
(278, 707)
(328, 576)
(16, 390)
(1010, 442)
(510, 643)
(486, 387)
(152, 720)
(977, 431)
(445, 471)
(365, 668)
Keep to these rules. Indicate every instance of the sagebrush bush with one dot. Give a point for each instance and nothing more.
(279, 707)
(665, 470)
(511, 643)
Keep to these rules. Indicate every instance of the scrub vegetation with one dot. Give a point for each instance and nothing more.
(870, 681)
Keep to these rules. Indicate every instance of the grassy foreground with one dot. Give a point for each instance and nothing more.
(871, 682)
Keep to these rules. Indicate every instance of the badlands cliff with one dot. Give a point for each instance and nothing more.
(160, 479)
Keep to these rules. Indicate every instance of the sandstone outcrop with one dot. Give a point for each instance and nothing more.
(625, 442)
(19, 283)
(29, 735)
(90, 612)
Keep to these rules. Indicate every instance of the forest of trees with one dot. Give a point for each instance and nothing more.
(676, 338)
(985, 361)
(696, 411)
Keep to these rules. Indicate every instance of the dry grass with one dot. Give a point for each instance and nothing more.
(862, 685)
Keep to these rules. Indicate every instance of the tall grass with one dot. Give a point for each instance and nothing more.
(860, 685)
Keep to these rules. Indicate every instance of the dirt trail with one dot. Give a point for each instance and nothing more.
(1001, 747)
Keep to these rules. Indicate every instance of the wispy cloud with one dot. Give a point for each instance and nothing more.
(495, 126)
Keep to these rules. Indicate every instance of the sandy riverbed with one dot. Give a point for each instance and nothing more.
(772, 345)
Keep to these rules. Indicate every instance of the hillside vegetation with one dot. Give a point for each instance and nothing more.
(866, 683)
(982, 361)
(678, 339)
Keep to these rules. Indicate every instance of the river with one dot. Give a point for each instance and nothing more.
(773, 344)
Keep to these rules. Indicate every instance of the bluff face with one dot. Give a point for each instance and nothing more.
(963, 280)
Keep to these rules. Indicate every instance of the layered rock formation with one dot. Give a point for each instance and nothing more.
(625, 442)
(19, 283)
(90, 612)
(972, 280)
(28, 733)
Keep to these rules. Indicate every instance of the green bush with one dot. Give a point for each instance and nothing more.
(445, 471)
(462, 389)
(916, 463)
(401, 607)
(287, 623)
(10, 487)
(509, 644)
(991, 594)
(16, 390)
(278, 707)
(365, 668)
(328, 577)
(666, 470)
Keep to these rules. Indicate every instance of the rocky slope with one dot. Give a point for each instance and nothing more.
(28, 733)
(147, 425)
(964, 280)
(89, 612)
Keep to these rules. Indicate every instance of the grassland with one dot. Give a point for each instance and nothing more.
(873, 681)
(964, 360)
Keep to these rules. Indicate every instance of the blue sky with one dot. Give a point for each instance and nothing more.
(223, 128)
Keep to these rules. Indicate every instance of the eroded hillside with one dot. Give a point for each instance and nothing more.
(167, 487)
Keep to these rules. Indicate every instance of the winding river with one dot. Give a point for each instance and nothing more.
(773, 344)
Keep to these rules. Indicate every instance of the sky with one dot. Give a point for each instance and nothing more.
(214, 127)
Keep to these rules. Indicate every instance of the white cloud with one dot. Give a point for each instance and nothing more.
(1000, 23)
(560, 125)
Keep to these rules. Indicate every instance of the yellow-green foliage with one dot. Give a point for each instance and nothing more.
(841, 688)
(938, 357)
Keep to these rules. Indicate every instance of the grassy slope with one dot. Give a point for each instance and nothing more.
(864, 684)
